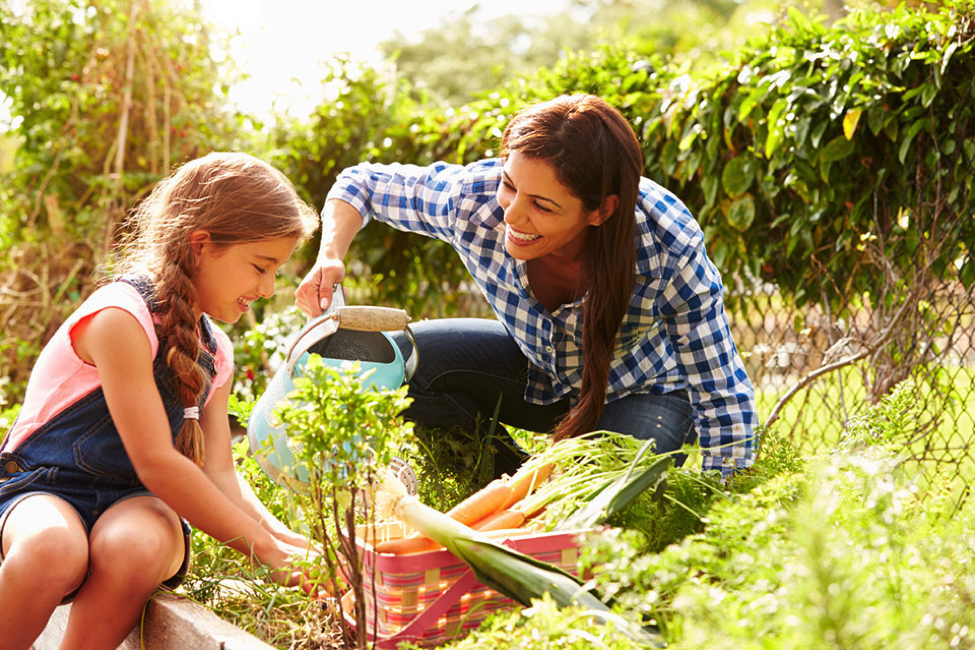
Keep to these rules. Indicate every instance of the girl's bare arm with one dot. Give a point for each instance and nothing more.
(116, 344)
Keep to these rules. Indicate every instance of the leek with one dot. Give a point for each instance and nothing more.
(620, 493)
(516, 575)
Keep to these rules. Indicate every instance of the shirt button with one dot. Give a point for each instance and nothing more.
(549, 349)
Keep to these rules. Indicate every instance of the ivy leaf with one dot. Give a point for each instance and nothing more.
(916, 128)
(947, 55)
(741, 214)
(737, 175)
(836, 149)
(968, 273)
(969, 146)
(817, 133)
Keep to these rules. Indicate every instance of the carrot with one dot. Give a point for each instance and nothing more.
(476, 507)
(500, 520)
(525, 481)
(414, 543)
(482, 503)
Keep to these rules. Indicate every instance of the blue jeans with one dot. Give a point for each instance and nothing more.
(470, 368)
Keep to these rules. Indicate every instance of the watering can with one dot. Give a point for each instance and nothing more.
(343, 333)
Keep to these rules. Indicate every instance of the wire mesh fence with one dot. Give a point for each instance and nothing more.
(814, 370)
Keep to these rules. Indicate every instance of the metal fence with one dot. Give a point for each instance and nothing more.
(814, 370)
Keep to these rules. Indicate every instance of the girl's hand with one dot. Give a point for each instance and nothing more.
(296, 539)
(291, 564)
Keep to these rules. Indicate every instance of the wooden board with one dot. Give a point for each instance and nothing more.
(170, 623)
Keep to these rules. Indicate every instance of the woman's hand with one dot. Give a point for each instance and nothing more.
(314, 294)
(340, 223)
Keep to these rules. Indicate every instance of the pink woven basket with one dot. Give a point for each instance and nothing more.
(431, 597)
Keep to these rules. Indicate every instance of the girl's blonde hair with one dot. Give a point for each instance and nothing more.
(237, 199)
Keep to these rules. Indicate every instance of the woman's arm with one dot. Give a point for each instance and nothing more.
(115, 343)
(423, 200)
(340, 223)
(718, 386)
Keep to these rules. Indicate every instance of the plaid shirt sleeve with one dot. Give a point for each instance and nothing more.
(409, 197)
(692, 306)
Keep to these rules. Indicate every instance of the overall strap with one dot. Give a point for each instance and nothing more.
(147, 290)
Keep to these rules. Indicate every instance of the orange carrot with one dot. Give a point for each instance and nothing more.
(476, 507)
(524, 482)
(482, 503)
(500, 520)
(414, 543)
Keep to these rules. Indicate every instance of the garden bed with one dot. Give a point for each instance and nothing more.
(170, 623)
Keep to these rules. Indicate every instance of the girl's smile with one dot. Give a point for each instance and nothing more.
(229, 278)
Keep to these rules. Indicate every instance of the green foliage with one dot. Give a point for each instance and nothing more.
(344, 436)
(891, 421)
(470, 53)
(8, 412)
(544, 626)
(104, 97)
(827, 140)
(260, 348)
(811, 154)
(847, 554)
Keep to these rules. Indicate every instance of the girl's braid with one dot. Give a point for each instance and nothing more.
(178, 331)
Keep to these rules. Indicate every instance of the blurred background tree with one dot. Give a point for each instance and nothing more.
(103, 97)
(470, 53)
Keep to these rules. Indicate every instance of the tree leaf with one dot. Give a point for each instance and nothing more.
(850, 121)
(741, 214)
(836, 149)
(737, 175)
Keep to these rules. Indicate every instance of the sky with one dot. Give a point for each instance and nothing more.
(283, 44)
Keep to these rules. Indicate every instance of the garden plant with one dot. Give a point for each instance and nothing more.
(831, 169)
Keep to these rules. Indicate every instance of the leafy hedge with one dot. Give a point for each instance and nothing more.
(812, 144)
(105, 97)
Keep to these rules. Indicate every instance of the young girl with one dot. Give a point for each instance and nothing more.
(124, 436)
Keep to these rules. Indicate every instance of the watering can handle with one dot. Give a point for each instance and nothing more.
(372, 319)
(361, 318)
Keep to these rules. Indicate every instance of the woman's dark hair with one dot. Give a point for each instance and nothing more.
(595, 154)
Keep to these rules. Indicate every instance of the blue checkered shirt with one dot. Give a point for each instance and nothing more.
(674, 336)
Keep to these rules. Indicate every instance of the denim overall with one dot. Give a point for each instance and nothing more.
(78, 454)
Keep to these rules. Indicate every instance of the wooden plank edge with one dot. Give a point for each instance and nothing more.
(170, 622)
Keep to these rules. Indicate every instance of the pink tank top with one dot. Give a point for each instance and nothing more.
(60, 377)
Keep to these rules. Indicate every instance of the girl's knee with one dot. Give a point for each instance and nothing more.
(143, 554)
(55, 558)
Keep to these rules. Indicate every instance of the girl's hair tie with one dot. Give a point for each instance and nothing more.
(191, 413)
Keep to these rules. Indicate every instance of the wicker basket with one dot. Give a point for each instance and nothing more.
(431, 597)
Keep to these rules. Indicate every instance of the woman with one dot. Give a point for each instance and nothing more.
(610, 314)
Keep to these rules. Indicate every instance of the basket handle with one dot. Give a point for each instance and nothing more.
(414, 630)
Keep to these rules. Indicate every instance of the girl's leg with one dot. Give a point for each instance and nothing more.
(466, 367)
(667, 419)
(134, 546)
(45, 557)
